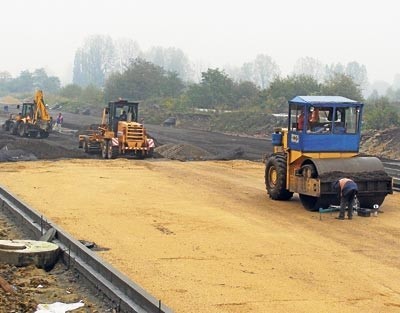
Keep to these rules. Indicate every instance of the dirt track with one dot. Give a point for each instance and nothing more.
(65, 145)
(204, 237)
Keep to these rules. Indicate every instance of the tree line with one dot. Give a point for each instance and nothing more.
(105, 71)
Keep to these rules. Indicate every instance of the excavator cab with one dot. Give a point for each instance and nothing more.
(28, 110)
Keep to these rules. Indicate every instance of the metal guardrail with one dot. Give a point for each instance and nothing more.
(393, 170)
(125, 295)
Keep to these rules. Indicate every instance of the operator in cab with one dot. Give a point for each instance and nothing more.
(123, 116)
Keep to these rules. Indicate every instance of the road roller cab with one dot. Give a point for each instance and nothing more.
(321, 145)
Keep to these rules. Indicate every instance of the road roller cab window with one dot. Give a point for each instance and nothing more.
(297, 117)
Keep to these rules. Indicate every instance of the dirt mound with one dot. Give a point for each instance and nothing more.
(14, 148)
(7, 155)
(9, 100)
(182, 152)
(187, 152)
(382, 143)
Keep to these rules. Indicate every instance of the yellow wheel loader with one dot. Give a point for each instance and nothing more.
(119, 134)
(320, 146)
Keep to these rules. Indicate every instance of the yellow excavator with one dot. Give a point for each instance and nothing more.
(320, 146)
(34, 120)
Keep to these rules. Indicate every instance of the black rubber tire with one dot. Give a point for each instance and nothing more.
(150, 152)
(44, 134)
(309, 171)
(86, 146)
(33, 134)
(311, 203)
(6, 126)
(14, 128)
(104, 149)
(112, 151)
(275, 177)
(368, 201)
(22, 130)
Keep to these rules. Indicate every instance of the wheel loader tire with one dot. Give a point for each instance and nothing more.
(22, 130)
(112, 151)
(14, 128)
(104, 149)
(44, 134)
(6, 126)
(85, 147)
(33, 134)
(275, 178)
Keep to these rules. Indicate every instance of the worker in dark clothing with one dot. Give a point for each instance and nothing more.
(347, 191)
(123, 116)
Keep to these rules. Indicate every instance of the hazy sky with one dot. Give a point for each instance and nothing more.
(46, 33)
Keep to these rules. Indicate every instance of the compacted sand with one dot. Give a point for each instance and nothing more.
(204, 236)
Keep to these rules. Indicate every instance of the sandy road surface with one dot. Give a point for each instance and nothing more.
(203, 236)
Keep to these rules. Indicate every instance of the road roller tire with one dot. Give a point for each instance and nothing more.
(275, 178)
(311, 203)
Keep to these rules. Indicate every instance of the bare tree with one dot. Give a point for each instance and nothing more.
(126, 50)
(358, 72)
(172, 60)
(95, 61)
(310, 67)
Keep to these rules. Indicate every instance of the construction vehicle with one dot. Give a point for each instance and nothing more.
(119, 134)
(320, 146)
(33, 120)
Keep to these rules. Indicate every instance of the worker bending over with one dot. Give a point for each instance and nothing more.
(347, 191)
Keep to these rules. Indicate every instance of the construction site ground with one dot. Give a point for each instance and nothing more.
(204, 236)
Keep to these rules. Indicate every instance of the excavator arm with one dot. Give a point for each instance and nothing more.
(41, 112)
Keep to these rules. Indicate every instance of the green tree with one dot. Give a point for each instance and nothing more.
(143, 80)
(23, 83)
(71, 91)
(292, 86)
(342, 85)
(379, 114)
(216, 90)
(92, 95)
(283, 89)
(247, 95)
(41, 80)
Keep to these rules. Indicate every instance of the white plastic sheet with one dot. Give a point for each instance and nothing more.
(58, 307)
